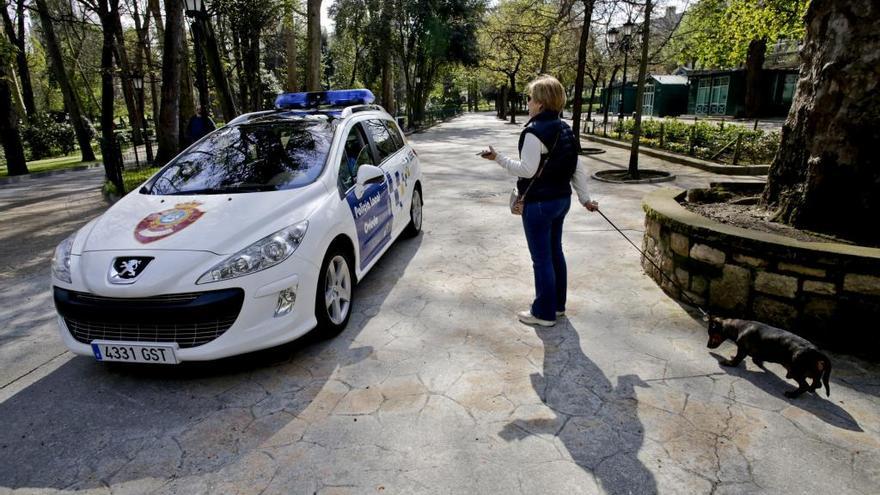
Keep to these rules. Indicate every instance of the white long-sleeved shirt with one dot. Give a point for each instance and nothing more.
(527, 166)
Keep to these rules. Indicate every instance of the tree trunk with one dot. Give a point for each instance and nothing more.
(187, 95)
(592, 95)
(825, 176)
(71, 101)
(545, 56)
(313, 62)
(215, 65)
(237, 51)
(640, 94)
(251, 54)
(503, 103)
(168, 128)
(607, 103)
(578, 100)
(292, 85)
(12, 147)
(134, 117)
(755, 77)
(107, 9)
(18, 40)
(388, 86)
(512, 99)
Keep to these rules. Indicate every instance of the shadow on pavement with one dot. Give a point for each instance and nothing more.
(87, 425)
(597, 422)
(771, 383)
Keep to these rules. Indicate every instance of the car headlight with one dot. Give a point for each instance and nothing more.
(61, 259)
(265, 253)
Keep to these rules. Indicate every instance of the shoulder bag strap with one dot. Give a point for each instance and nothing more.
(541, 165)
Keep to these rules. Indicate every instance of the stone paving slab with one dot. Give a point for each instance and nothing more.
(434, 387)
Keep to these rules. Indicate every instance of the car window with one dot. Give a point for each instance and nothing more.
(395, 134)
(356, 152)
(385, 144)
(265, 156)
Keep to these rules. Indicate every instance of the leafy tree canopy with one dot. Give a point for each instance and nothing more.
(716, 33)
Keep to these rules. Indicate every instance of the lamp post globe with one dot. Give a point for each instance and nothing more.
(612, 37)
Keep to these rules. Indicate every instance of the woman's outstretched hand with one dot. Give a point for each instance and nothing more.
(488, 155)
(592, 205)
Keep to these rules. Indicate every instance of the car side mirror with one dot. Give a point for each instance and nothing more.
(367, 174)
(370, 174)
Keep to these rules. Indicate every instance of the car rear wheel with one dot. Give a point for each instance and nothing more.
(415, 215)
(335, 293)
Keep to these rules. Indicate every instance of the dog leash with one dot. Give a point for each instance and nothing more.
(689, 300)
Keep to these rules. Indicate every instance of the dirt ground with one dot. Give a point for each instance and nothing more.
(755, 217)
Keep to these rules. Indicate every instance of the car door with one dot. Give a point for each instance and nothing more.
(394, 163)
(370, 205)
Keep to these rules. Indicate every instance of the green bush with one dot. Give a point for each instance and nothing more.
(45, 137)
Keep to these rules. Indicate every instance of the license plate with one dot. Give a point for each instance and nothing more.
(129, 352)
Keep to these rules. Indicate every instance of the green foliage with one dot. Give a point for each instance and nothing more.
(716, 33)
(46, 136)
(710, 141)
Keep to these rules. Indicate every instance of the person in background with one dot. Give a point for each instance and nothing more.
(199, 125)
(546, 137)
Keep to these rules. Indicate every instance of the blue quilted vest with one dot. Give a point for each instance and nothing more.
(560, 162)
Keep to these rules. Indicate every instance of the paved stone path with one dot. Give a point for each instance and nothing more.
(434, 387)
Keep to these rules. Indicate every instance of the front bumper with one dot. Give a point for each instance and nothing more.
(206, 324)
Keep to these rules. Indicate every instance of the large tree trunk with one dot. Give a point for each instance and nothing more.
(578, 100)
(640, 94)
(71, 101)
(826, 176)
(107, 9)
(754, 78)
(292, 85)
(215, 65)
(24, 74)
(313, 62)
(169, 127)
(12, 147)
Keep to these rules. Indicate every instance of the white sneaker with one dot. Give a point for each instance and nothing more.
(527, 318)
(560, 313)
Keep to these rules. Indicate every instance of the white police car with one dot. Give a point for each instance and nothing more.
(253, 236)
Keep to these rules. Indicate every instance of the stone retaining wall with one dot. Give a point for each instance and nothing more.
(826, 292)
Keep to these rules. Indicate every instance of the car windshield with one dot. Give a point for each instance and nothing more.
(249, 158)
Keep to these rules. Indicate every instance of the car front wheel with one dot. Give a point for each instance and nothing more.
(335, 293)
(415, 215)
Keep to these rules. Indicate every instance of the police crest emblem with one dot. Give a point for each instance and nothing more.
(164, 223)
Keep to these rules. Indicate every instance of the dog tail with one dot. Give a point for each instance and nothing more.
(826, 373)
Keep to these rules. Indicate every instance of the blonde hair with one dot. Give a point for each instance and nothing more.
(548, 92)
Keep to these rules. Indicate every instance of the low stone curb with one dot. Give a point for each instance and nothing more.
(823, 291)
(36, 175)
(668, 178)
(686, 160)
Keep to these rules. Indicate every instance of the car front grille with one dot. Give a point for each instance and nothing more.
(190, 320)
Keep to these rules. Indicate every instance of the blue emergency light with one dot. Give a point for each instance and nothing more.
(315, 99)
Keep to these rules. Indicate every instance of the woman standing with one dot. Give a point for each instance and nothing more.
(546, 138)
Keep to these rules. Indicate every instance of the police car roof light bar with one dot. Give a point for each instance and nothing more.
(315, 99)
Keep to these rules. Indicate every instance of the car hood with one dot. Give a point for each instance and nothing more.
(219, 223)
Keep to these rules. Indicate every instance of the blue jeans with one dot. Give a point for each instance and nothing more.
(542, 221)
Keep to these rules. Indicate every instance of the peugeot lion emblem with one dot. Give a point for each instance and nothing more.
(127, 270)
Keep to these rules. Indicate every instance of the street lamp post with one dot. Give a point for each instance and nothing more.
(622, 39)
(197, 11)
(138, 81)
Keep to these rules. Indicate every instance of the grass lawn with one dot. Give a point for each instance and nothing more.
(56, 163)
